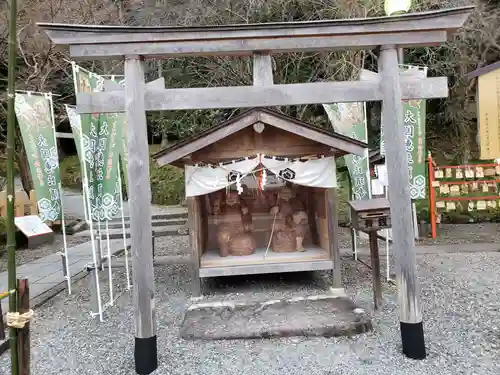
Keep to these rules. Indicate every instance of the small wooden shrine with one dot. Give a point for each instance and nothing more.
(261, 191)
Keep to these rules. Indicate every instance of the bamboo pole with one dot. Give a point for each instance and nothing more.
(11, 232)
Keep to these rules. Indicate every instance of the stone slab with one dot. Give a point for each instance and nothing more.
(326, 316)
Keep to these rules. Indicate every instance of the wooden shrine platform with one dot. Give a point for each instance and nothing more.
(313, 259)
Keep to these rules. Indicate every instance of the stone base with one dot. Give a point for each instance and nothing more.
(323, 315)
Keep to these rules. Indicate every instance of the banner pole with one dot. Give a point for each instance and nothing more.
(127, 271)
(88, 214)
(65, 243)
(63, 221)
(75, 83)
(387, 248)
(110, 269)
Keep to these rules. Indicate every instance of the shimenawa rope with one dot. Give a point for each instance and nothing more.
(17, 320)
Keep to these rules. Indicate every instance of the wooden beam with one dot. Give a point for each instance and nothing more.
(146, 359)
(262, 70)
(261, 96)
(443, 19)
(400, 204)
(157, 84)
(247, 47)
(64, 135)
(410, 30)
(158, 261)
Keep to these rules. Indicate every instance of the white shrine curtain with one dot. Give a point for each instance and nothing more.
(200, 180)
(321, 173)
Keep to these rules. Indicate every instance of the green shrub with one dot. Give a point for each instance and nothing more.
(70, 172)
(167, 182)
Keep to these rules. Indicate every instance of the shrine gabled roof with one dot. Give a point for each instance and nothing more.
(341, 143)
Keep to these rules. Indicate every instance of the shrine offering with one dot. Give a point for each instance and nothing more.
(455, 190)
(479, 172)
(444, 189)
(476, 184)
(469, 173)
(481, 205)
(489, 172)
(234, 234)
(291, 224)
(438, 174)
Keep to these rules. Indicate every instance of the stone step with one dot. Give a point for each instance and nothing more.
(161, 223)
(176, 215)
(116, 233)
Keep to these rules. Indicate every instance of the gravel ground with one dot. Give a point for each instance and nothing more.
(25, 255)
(460, 295)
(446, 234)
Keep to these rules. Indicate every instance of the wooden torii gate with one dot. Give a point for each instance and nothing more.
(135, 44)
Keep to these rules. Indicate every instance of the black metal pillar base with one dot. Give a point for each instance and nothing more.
(146, 355)
(412, 335)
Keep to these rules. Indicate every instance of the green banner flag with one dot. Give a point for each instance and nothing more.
(414, 122)
(76, 128)
(350, 119)
(35, 118)
(100, 146)
(107, 166)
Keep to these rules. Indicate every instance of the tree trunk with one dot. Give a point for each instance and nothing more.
(164, 136)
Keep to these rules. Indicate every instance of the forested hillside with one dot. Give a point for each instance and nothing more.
(451, 123)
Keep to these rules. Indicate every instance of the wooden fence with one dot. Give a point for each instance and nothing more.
(24, 205)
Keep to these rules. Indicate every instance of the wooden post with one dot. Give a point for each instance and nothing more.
(2, 326)
(194, 228)
(412, 333)
(23, 336)
(375, 263)
(432, 197)
(354, 237)
(33, 203)
(146, 357)
(333, 236)
(262, 70)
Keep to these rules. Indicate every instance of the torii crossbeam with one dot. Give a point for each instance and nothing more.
(134, 44)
